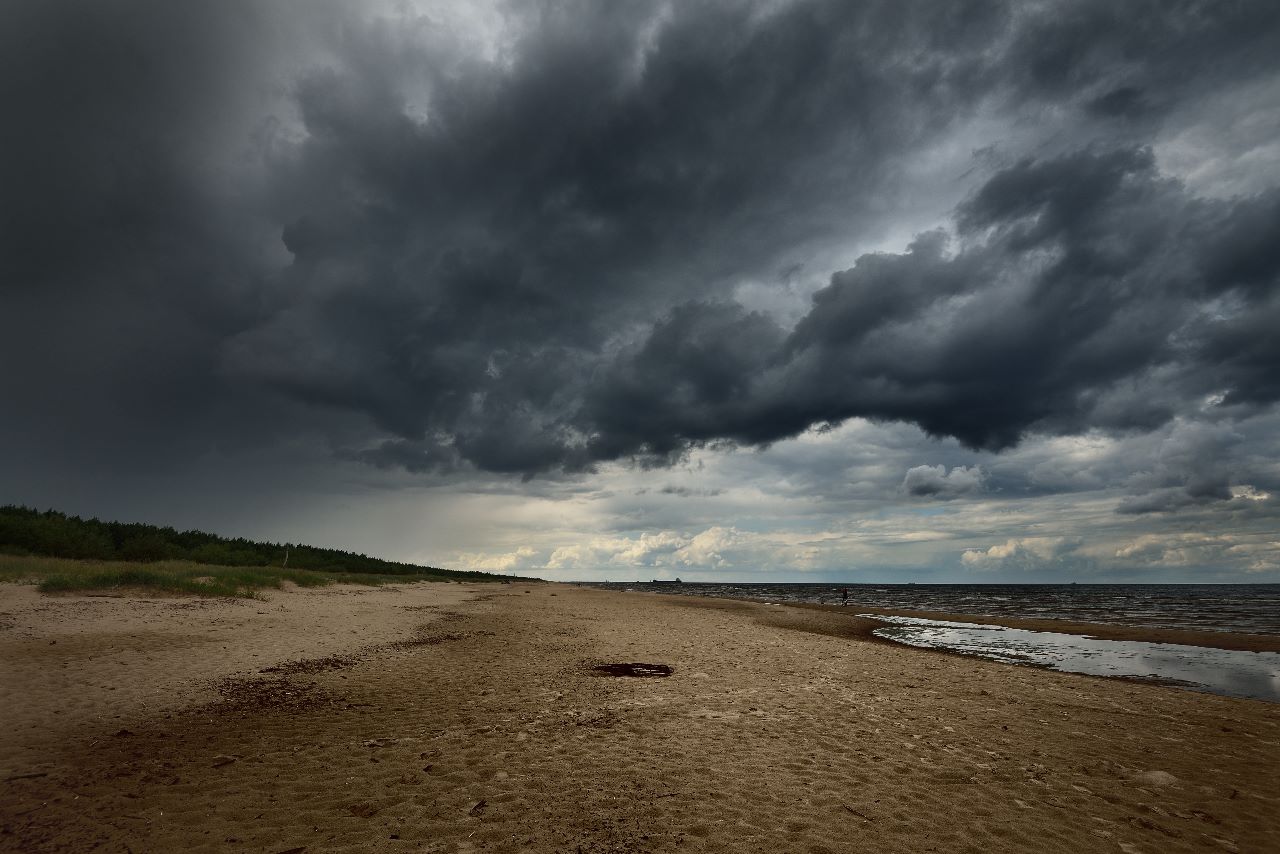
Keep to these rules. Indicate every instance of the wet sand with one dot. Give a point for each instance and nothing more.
(467, 718)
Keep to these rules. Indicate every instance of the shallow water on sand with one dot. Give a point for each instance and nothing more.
(1233, 673)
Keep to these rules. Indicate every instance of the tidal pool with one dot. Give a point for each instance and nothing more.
(1233, 673)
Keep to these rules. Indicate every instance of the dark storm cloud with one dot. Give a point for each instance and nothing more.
(528, 264)
(1191, 469)
(1125, 59)
(1076, 297)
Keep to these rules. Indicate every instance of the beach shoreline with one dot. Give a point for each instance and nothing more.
(468, 717)
(1239, 641)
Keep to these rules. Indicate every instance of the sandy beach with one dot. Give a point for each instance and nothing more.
(449, 717)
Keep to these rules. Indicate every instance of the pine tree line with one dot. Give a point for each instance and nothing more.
(24, 530)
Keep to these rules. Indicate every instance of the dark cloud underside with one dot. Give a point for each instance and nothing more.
(235, 223)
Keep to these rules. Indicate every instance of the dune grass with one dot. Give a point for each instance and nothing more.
(55, 575)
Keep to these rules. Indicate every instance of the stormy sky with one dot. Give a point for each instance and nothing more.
(786, 289)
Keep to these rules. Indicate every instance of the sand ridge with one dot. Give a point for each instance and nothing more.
(779, 730)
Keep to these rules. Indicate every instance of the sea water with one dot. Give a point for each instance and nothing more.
(1253, 608)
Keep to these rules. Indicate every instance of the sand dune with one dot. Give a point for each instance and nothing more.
(452, 718)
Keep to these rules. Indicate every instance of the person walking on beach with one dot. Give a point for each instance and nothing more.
(844, 597)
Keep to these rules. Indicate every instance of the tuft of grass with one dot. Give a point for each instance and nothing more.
(55, 575)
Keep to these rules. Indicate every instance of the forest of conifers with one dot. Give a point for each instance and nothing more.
(27, 531)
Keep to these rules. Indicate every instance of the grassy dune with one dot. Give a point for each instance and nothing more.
(54, 575)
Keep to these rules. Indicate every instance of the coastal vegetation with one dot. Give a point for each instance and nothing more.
(62, 552)
(59, 575)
